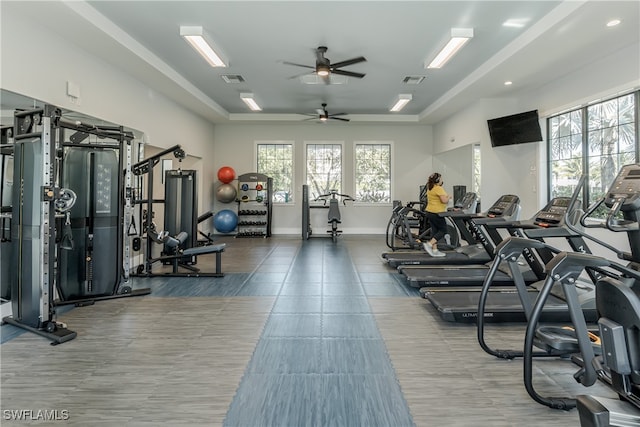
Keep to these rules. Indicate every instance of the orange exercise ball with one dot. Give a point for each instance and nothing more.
(226, 174)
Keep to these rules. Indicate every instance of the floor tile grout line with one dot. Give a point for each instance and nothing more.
(254, 271)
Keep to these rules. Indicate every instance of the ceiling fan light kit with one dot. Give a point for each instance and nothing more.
(324, 68)
(323, 115)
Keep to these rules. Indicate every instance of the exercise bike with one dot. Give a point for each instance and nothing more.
(333, 216)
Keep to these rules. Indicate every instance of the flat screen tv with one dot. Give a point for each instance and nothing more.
(515, 129)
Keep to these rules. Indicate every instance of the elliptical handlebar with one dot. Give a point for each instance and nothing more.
(617, 225)
(610, 223)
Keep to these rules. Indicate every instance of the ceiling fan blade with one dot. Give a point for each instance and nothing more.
(338, 114)
(298, 65)
(349, 62)
(339, 118)
(348, 73)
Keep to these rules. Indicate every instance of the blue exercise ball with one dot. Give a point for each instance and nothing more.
(225, 221)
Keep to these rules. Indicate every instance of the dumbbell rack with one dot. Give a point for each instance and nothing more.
(254, 205)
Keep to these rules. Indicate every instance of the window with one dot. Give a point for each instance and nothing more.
(276, 161)
(373, 173)
(324, 168)
(595, 140)
(477, 169)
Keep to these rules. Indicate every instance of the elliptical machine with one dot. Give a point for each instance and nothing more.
(617, 301)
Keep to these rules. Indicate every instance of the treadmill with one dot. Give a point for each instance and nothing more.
(445, 275)
(503, 304)
(480, 247)
(400, 220)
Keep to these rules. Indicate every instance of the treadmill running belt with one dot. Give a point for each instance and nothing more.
(501, 306)
(457, 276)
(422, 258)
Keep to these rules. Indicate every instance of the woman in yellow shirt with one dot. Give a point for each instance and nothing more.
(437, 200)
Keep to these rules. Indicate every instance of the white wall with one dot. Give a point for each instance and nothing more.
(411, 164)
(521, 169)
(619, 71)
(504, 170)
(38, 63)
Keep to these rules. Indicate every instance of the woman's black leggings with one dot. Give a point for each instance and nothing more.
(438, 225)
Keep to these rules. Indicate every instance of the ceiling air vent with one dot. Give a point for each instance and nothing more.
(232, 78)
(413, 80)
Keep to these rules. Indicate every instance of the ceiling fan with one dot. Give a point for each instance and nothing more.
(324, 67)
(323, 115)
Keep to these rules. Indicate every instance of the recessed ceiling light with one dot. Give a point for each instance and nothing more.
(508, 83)
(613, 23)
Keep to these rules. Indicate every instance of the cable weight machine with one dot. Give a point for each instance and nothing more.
(70, 202)
(179, 238)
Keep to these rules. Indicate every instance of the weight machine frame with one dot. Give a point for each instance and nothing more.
(37, 204)
(145, 167)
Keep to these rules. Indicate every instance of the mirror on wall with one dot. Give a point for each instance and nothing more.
(460, 167)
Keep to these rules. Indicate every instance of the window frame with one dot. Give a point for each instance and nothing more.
(391, 171)
(257, 143)
(306, 164)
(584, 140)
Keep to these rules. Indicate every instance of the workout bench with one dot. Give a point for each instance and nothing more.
(174, 242)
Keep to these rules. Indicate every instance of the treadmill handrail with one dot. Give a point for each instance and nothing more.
(458, 213)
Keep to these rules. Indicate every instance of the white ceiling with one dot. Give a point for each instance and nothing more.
(396, 37)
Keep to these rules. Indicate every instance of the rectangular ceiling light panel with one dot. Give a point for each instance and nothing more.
(403, 99)
(195, 37)
(248, 99)
(459, 37)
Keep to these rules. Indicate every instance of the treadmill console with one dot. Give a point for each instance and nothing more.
(468, 203)
(553, 213)
(504, 206)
